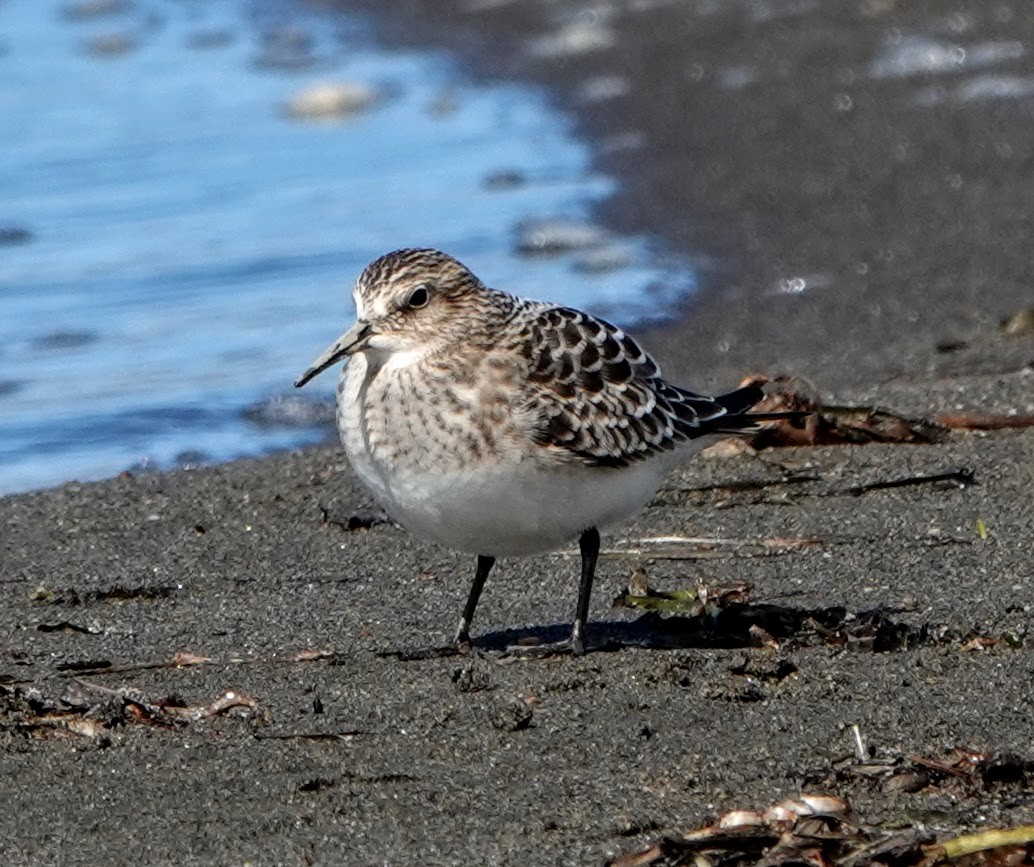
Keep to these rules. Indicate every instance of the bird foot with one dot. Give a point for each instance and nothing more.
(569, 646)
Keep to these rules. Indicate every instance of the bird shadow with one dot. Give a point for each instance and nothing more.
(735, 626)
(732, 627)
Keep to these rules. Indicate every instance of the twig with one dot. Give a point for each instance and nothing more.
(984, 422)
(961, 477)
(746, 485)
(342, 735)
(981, 842)
(185, 660)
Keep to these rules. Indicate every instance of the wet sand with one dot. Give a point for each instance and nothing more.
(763, 148)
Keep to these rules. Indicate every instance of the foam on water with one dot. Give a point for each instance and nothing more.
(190, 248)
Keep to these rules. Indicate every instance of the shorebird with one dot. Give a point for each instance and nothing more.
(501, 426)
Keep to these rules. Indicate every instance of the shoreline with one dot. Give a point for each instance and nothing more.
(791, 145)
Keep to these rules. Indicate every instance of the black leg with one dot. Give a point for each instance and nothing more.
(485, 565)
(589, 544)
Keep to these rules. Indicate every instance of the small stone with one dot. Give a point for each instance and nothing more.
(111, 45)
(512, 716)
(84, 9)
(205, 40)
(504, 179)
(330, 101)
(286, 48)
(290, 411)
(471, 679)
(609, 257)
(12, 235)
(730, 447)
(581, 36)
(1020, 324)
(604, 87)
(64, 340)
(558, 235)
(191, 459)
(907, 781)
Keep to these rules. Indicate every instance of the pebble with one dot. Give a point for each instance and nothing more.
(331, 101)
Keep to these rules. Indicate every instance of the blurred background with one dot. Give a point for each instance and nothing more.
(189, 188)
(839, 189)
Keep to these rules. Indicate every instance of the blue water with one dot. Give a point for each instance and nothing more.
(190, 248)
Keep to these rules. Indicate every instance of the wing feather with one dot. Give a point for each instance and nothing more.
(598, 397)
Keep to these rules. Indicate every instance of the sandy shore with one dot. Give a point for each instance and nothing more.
(764, 140)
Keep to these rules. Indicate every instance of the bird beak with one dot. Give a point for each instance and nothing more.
(351, 341)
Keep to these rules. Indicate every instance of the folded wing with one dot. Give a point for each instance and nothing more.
(599, 398)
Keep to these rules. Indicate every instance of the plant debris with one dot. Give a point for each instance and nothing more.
(90, 710)
(726, 617)
(693, 603)
(976, 421)
(706, 548)
(832, 424)
(962, 772)
(959, 478)
(953, 478)
(820, 829)
(67, 626)
(837, 424)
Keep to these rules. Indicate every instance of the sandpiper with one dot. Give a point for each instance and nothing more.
(501, 426)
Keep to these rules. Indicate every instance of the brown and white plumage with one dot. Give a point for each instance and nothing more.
(497, 425)
(599, 396)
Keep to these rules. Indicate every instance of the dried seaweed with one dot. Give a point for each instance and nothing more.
(837, 424)
(82, 709)
(727, 617)
(818, 829)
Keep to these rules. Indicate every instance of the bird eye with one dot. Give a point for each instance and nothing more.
(419, 298)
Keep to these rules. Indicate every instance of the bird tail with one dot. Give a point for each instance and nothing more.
(738, 420)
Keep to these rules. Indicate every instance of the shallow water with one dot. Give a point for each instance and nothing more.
(175, 249)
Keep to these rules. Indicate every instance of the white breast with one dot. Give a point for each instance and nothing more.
(507, 503)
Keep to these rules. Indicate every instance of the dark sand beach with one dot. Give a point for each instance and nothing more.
(215, 666)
